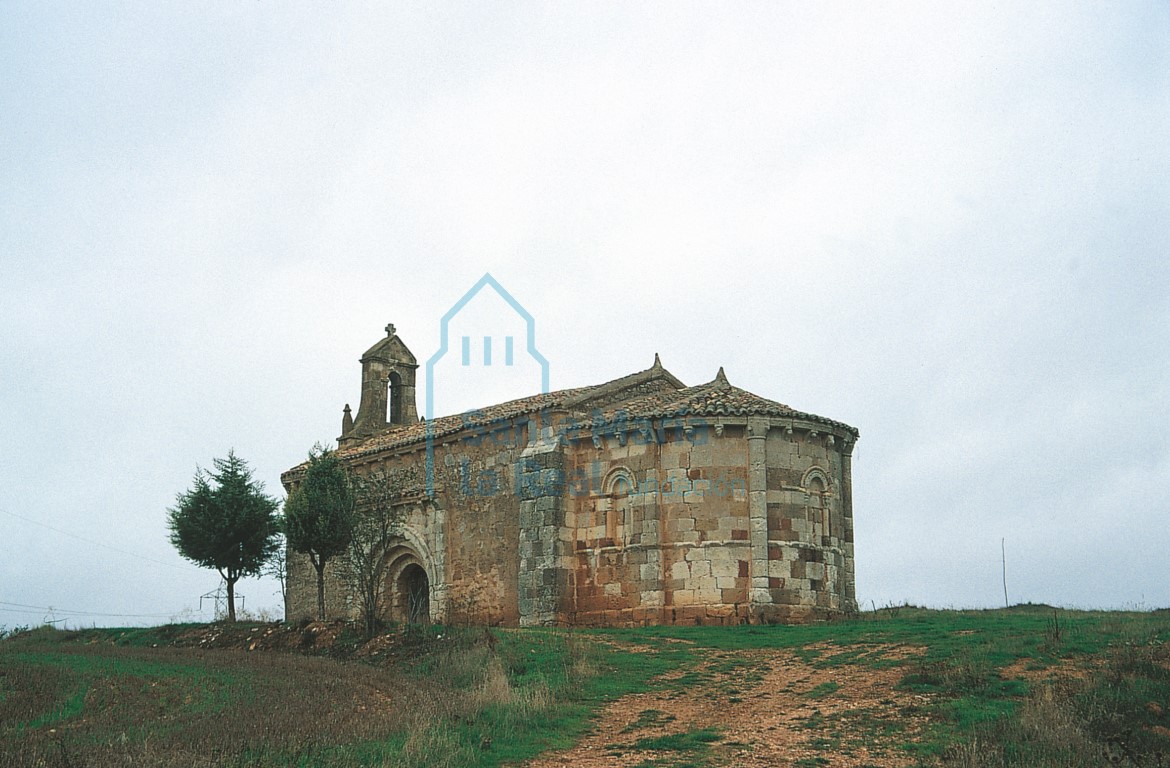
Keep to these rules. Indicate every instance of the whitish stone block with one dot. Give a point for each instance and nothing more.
(708, 595)
(720, 555)
(725, 568)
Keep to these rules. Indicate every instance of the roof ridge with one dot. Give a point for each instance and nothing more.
(655, 371)
(718, 397)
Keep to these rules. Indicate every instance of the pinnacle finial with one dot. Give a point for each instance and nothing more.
(389, 329)
(657, 361)
(721, 377)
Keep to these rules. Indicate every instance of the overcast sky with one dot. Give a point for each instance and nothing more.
(947, 226)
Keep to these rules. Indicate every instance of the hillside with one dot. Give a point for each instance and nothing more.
(1028, 686)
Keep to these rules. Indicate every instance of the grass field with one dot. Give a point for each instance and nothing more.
(186, 695)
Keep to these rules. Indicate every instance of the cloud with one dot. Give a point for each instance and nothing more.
(945, 226)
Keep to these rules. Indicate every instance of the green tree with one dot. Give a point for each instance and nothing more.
(319, 514)
(226, 522)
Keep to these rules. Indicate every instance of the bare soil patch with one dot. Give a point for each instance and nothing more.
(770, 708)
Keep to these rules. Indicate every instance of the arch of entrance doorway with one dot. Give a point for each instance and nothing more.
(408, 586)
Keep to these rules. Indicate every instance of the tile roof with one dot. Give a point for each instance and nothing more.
(713, 399)
(445, 425)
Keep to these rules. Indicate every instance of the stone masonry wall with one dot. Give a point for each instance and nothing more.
(476, 483)
(422, 532)
(660, 530)
(728, 523)
(810, 524)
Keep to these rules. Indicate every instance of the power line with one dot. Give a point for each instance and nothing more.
(98, 543)
(50, 609)
(64, 615)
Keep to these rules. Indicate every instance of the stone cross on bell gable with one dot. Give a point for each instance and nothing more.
(390, 329)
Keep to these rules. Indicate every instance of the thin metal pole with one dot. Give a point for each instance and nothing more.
(1003, 556)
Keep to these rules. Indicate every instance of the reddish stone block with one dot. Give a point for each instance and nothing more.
(733, 596)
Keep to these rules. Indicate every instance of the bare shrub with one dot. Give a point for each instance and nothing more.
(1048, 718)
(1046, 732)
(580, 666)
(536, 698)
(260, 616)
(976, 753)
(495, 689)
(435, 745)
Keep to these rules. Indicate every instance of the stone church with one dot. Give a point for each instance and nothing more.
(637, 501)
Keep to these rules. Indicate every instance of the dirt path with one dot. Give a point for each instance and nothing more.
(769, 708)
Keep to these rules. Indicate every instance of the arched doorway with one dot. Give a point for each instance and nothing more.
(410, 576)
(413, 594)
(408, 588)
